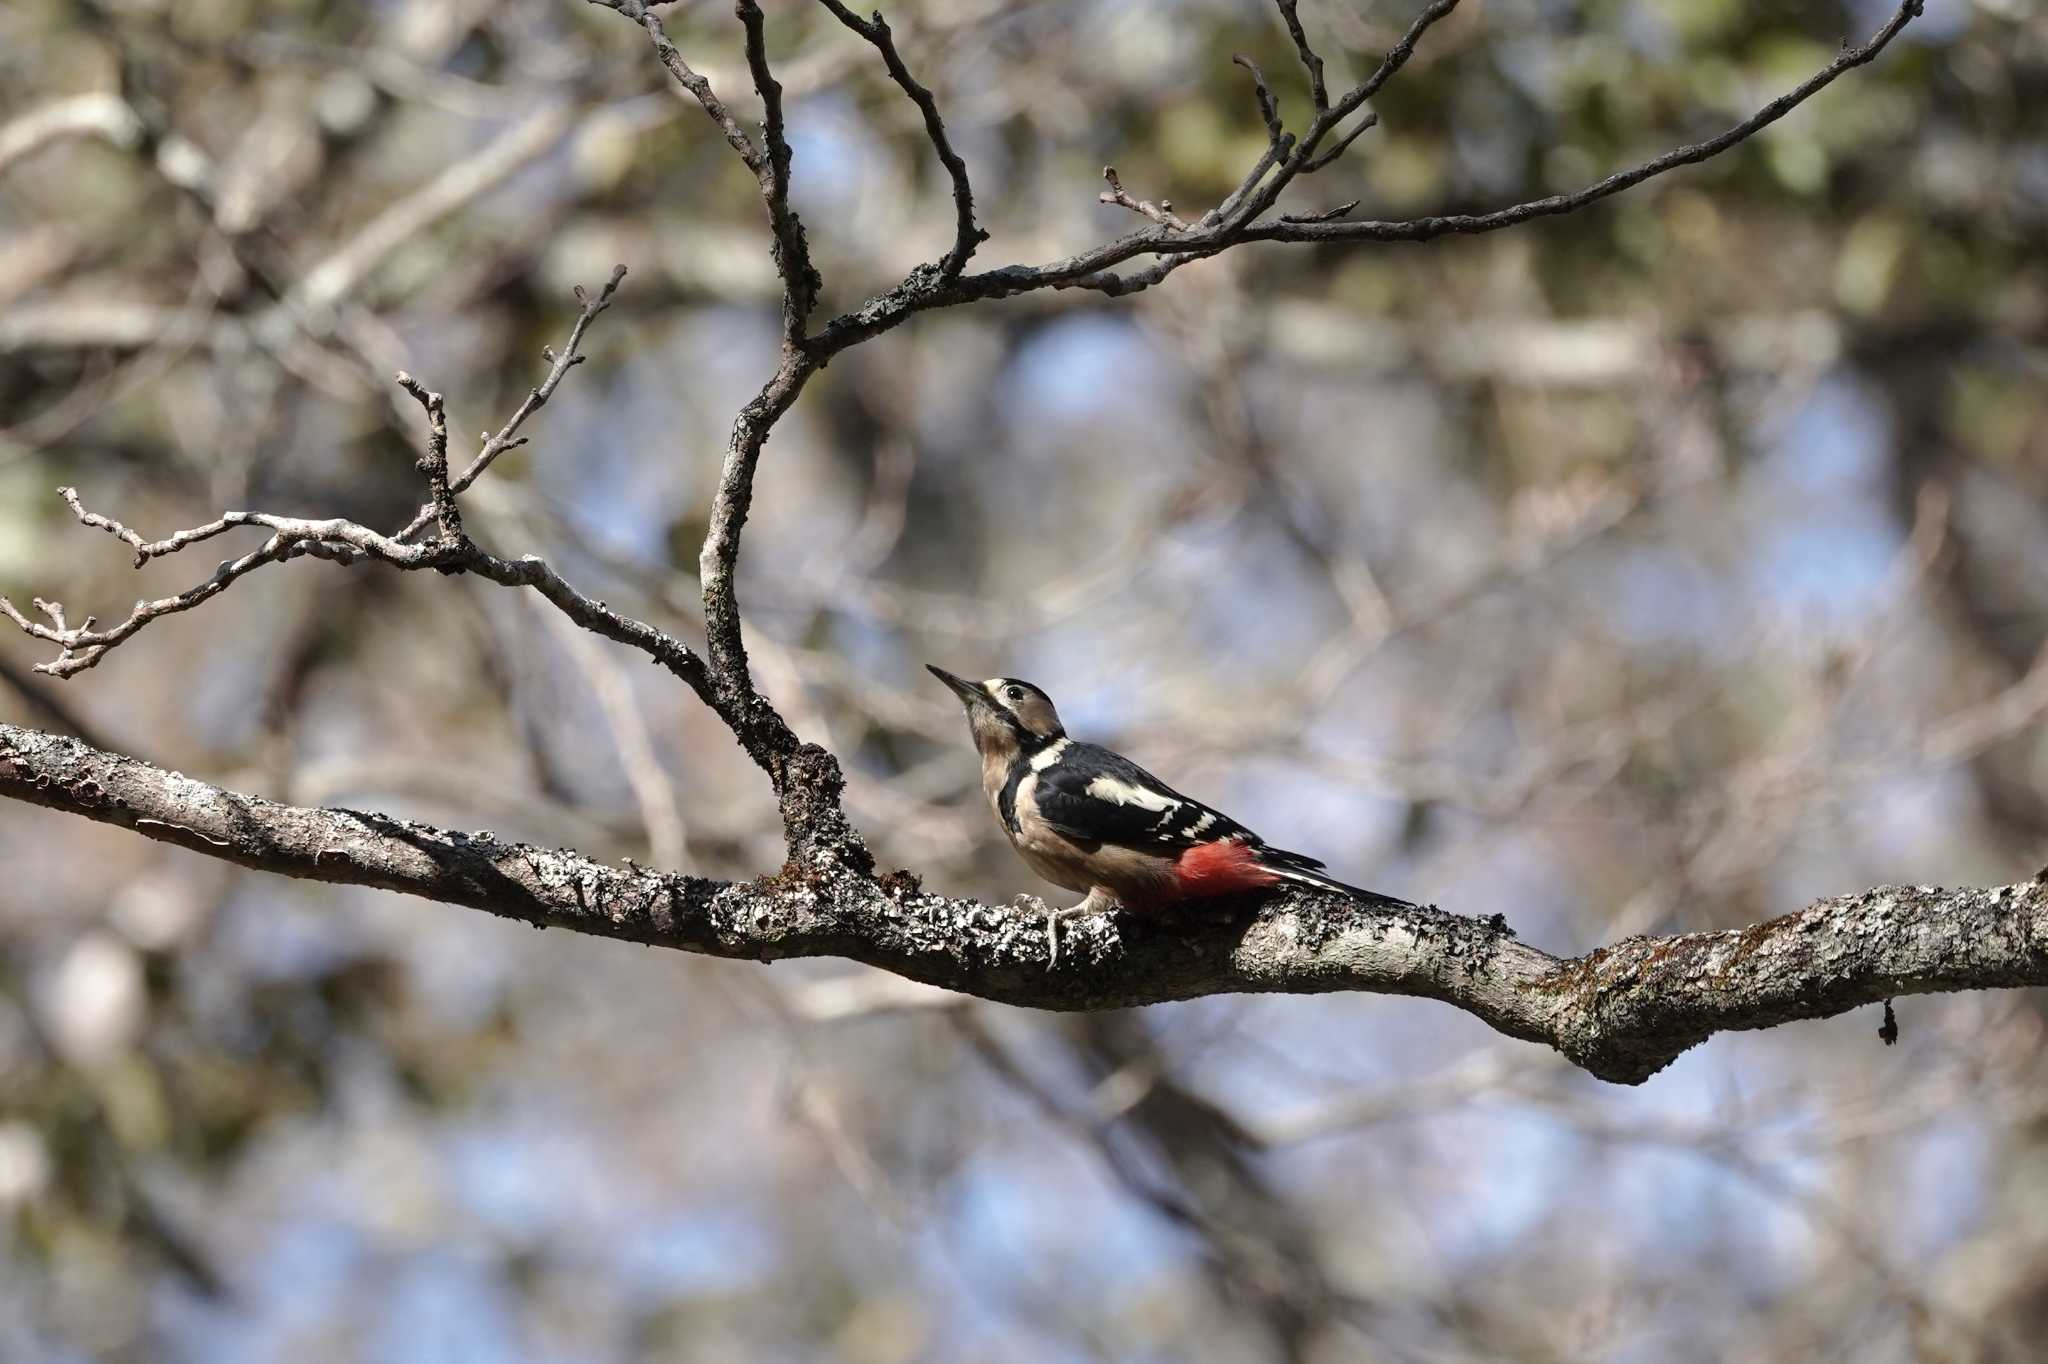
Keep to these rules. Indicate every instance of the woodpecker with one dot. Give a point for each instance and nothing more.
(1091, 820)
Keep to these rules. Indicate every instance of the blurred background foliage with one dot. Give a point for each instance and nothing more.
(1651, 569)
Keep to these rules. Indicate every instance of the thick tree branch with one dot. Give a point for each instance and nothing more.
(806, 779)
(1621, 1012)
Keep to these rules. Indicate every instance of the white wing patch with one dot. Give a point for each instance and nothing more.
(1123, 793)
(1049, 755)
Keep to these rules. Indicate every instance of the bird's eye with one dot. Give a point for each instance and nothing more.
(1014, 693)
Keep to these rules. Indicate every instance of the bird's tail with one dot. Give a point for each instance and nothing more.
(1306, 871)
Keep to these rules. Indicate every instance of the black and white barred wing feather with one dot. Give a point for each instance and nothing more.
(1091, 796)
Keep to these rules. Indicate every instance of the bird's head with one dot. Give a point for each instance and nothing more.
(1006, 715)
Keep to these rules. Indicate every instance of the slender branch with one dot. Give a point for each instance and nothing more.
(1621, 1012)
(434, 462)
(800, 281)
(530, 570)
(1318, 92)
(1316, 163)
(769, 161)
(343, 542)
(966, 236)
(1161, 212)
(1396, 58)
(1217, 231)
(764, 734)
(1304, 161)
(642, 13)
(810, 807)
(1269, 111)
(1275, 153)
(1425, 229)
(559, 365)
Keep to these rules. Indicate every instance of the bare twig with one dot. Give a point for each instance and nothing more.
(760, 728)
(769, 161)
(1235, 221)
(1314, 164)
(1161, 212)
(642, 13)
(343, 542)
(966, 235)
(434, 463)
(559, 365)
(340, 541)
(1275, 153)
(1318, 92)
(1328, 215)
(1396, 58)
(1268, 110)
(1425, 229)
(1303, 160)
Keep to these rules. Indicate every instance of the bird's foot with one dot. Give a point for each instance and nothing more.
(1097, 901)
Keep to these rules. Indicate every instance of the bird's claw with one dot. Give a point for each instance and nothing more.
(1094, 903)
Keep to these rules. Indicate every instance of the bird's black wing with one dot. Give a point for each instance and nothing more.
(1092, 795)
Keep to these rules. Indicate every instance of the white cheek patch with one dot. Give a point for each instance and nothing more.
(1049, 755)
(1118, 792)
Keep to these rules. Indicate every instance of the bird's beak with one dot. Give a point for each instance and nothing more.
(970, 693)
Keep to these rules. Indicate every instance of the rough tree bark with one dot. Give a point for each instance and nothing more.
(1622, 1012)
